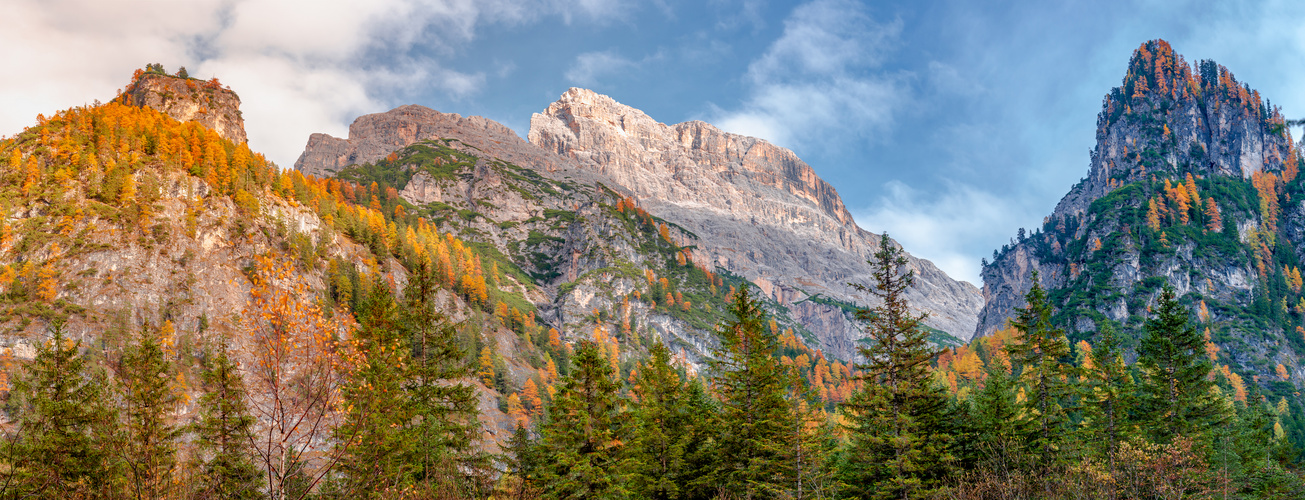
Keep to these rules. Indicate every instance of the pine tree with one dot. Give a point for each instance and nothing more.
(1040, 354)
(755, 418)
(899, 445)
(1174, 392)
(148, 400)
(63, 420)
(227, 470)
(581, 450)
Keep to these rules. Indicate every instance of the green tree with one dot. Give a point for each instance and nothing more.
(581, 451)
(1174, 393)
(663, 428)
(1108, 395)
(149, 447)
(899, 444)
(444, 431)
(995, 428)
(63, 418)
(222, 433)
(372, 436)
(755, 418)
(1040, 355)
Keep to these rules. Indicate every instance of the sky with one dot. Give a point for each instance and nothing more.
(948, 124)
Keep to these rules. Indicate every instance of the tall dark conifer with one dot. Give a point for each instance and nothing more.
(63, 422)
(581, 450)
(899, 442)
(1040, 355)
(148, 398)
(1108, 396)
(664, 428)
(1174, 394)
(756, 420)
(226, 470)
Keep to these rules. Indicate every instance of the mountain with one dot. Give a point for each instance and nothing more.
(735, 203)
(206, 102)
(1193, 183)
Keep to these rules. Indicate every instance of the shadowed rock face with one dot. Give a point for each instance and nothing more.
(373, 136)
(757, 208)
(187, 100)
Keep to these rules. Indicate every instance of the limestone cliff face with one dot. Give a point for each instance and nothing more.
(1166, 120)
(373, 136)
(186, 99)
(757, 209)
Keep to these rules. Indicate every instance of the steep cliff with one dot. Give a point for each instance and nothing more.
(1193, 184)
(1166, 120)
(372, 137)
(186, 99)
(757, 209)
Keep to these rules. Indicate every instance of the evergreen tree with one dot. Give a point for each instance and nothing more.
(811, 442)
(1108, 396)
(1040, 354)
(62, 417)
(899, 444)
(581, 450)
(372, 437)
(996, 429)
(1174, 393)
(521, 465)
(663, 428)
(755, 419)
(442, 437)
(227, 470)
(148, 400)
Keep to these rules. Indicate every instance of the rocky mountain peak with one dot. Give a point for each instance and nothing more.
(759, 210)
(206, 102)
(372, 137)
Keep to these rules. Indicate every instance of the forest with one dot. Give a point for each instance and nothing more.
(367, 387)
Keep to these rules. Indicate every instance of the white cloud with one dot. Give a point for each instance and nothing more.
(818, 79)
(590, 66)
(953, 229)
(299, 66)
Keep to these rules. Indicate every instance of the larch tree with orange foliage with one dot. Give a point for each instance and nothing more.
(296, 373)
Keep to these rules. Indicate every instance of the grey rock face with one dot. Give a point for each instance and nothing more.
(1204, 123)
(206, 103)
(757, 209)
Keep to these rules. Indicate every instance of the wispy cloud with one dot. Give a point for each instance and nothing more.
(937, 226)
(590, 66)
(819, 78)
(299, 66)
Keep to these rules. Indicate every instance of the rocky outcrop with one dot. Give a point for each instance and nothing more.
(373, 136)
(189, 100)
(1166, 120)
(757, 209)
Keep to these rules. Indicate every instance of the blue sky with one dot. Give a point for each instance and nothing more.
(948, 124)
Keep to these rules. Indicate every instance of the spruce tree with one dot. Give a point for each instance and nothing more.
(581, 450)
(996, 430)
(443, 435)
(1108, 395)
(148, 400)
(62, 419)
(756, 419)
(226, 469)
(899, 443)
(1040, 355)
(663, 428)
(1174, 393)
(371, 438)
